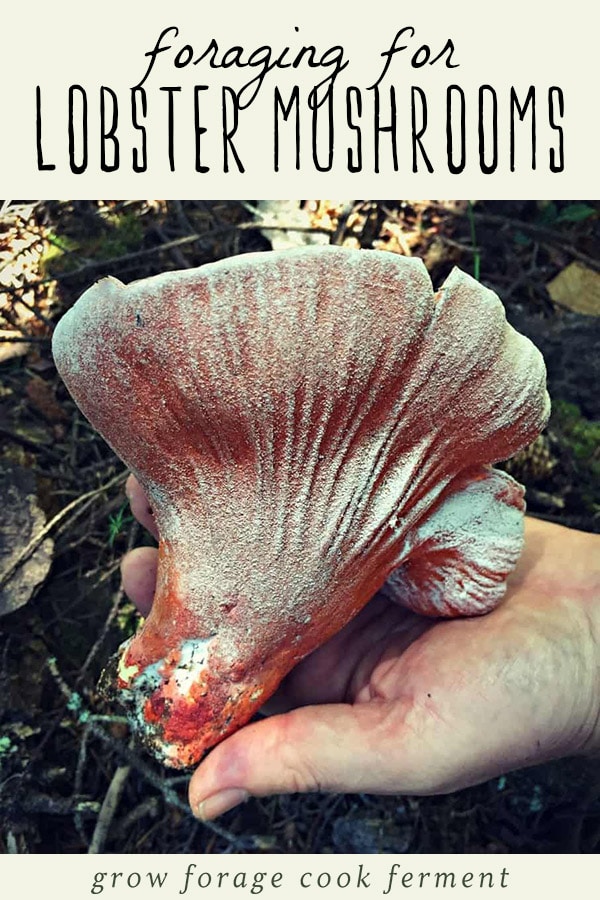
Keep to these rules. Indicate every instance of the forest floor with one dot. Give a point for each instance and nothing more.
(71, 781)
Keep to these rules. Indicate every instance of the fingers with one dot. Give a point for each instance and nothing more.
(139, 566)
(368, 747)
(140, 507)
(309, 749)
(138, 573)
(433, 732)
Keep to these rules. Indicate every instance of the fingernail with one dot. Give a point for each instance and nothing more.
(220, 803)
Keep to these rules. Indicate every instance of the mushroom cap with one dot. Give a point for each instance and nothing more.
(309, 426)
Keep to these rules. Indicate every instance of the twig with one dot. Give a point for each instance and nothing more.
(178, 257)
(181, 216)
(93, 723)
(117, 261)
(108, 809)
(164, 787)
(450, 242)
(11, 843)
(340, 231)
(82, 502)
(74, 443)
(118, 597)
(35, 312)
(147, 807)
(30, 444)
(35, 802)
(191, 838)
(23, 339)
(546, 235)
(81, 761)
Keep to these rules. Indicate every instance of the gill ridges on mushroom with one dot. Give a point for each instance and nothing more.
(306, 425)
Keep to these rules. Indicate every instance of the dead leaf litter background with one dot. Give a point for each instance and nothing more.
(71, 781)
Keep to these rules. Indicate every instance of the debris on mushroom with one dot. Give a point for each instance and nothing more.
(310, 426)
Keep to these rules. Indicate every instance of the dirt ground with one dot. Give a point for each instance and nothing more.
(71, 780)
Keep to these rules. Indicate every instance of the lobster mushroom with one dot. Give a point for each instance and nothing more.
(310, 426)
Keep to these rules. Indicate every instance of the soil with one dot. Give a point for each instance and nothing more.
(71, 780)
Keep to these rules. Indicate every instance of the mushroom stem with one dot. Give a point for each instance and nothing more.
(206, 660)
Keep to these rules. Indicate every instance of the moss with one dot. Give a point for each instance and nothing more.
(582, 435)
(58, 256)
(581, 438)
(6, 746)
(122, 233)
(127, 620)
(125, 235)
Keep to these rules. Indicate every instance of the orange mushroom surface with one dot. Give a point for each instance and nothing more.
(310, 426)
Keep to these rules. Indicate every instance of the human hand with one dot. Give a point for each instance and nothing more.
(396, 703)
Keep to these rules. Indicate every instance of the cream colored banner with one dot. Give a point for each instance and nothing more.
(327, 877)
(273, 99)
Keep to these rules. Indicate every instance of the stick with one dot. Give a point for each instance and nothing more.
(82, 502)
(108, 809)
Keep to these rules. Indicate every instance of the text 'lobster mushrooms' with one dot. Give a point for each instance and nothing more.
(309, 427)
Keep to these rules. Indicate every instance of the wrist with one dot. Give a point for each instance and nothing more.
(560, 574)
(585, 560)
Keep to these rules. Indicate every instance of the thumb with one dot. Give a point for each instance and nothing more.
(335, 747)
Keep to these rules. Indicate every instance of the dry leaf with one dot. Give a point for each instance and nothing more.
(41, 396)
(21, 520)
(577, 288)
(11, 349)
(289, 215)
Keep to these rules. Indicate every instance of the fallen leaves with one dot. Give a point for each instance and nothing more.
(41, 396)
(578, 288)
(21, 519)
